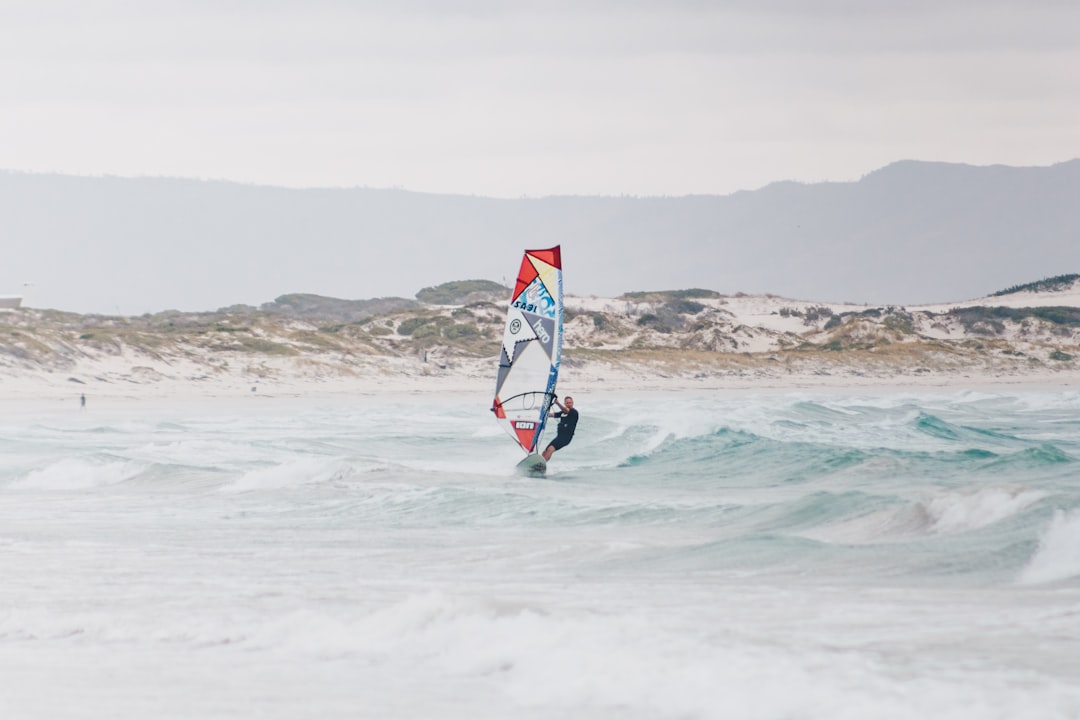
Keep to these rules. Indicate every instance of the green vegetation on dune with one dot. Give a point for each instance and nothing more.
(318, 306)
(669, 295)
(979, 319)
(461, 292)
(1050, 284)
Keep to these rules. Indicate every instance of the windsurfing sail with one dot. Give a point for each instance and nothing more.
(531, 348)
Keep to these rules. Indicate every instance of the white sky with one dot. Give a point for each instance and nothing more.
(509, 99)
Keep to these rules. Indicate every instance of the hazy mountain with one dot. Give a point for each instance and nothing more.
(912, 232)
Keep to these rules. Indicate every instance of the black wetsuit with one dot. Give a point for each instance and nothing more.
(565, 432)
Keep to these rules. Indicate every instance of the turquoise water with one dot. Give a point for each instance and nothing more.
(771, 555)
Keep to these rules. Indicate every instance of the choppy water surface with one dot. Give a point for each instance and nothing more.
(689, 556)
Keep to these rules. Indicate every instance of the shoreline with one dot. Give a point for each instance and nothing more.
(55, 393)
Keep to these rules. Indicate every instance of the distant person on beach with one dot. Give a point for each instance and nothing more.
(82, 401)
(567, 425)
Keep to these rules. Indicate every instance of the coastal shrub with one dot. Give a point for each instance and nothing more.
(970, 317)
(458, 291)
(685, 307)
(816, 313)
(326, 308)
(314, 340)
(901, 322)
(458, 331)
(424, 330)
(669, 295)
(811, 316)
(352, 331)
(257, 346)
(648, 319)
(979, 319)
(1067, 316)
(1050, 284)
(410, 326)
(1062, 356)
(655, 322)
(989, 326)
(694, 293)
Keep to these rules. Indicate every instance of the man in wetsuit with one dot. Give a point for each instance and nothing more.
(567, 425)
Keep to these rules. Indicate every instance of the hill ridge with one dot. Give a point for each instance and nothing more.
(130, 246)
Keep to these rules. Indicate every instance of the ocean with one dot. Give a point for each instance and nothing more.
(774, 555)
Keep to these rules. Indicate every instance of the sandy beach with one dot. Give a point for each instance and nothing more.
(52, 394)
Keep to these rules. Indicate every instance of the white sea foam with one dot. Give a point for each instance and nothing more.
(300, 471)
(944, 513)
(1058, 555)
(77, 473)
(954, 512)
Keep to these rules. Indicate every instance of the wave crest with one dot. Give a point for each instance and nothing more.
(78, 474)
(1058, 554)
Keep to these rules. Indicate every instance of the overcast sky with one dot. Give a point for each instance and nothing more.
(510, 99)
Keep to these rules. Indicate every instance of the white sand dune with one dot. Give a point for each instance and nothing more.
(757, 326)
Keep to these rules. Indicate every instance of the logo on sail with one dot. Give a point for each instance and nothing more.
(541, 333)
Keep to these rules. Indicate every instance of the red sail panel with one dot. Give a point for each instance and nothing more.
(552, 256)
(528, 272)
(526, 436)
(526, 275)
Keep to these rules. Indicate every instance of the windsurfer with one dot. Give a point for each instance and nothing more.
(567, 425)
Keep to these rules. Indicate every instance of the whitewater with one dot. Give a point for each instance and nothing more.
(766, 555)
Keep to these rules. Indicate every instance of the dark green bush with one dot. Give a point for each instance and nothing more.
(409, 326)
(1050, 284)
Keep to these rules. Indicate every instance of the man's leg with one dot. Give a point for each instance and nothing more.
(548, 452)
